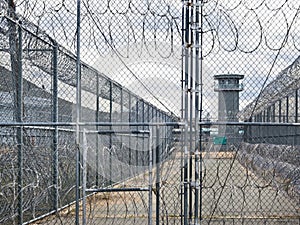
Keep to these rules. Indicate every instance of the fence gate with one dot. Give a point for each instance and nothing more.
(149, 112)
(240, 110)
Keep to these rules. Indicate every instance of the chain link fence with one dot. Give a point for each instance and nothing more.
(248, 53)
(149, 112)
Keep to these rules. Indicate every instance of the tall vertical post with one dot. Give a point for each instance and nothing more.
(110, 135)
(137, 137)
(296, 129)
(78, 116)
(97, 127)
(121, 118)
(165, 146)
(287, 113)
(55, 131)
(153, 132)
(273, 113)
(186, 37)
(198, 112)
(268, 114)
(268, 119)
(182, 112)
(191, 112)
(84, 177)
(150, 137)
(157, 183)
(129, 121)
(150, 178)
(287, 109)
(143, 128)
(121, 114)
(19, 118)
(296, 106)
(279, 111)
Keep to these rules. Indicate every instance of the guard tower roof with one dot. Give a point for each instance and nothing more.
(228, 76)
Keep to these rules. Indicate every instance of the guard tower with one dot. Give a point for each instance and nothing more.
(228, 88)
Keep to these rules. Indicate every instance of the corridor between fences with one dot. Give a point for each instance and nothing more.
(149, 112)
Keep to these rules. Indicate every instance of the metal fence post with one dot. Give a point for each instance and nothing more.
(129, 135)
(84, 177)
(186, 38)
(137, 137)
(157, 183)
(287, 120)
(150, 137)
(279, 111)
(97, 128)
(287, 109)
(198, 112)
(144, 136)
(182, 115)
(273, 113)
(296, 106)
(121, 137)
(19, 117)
(55, 132)
(164, 141)
(110, 128)
(121, 113)
(153, 131)
(191, 111)
(296, 138)
(78, 106)
(150, 177)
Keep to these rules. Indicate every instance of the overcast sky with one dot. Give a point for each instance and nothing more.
(240, 36)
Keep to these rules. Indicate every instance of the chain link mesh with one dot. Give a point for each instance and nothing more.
(162, 111)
